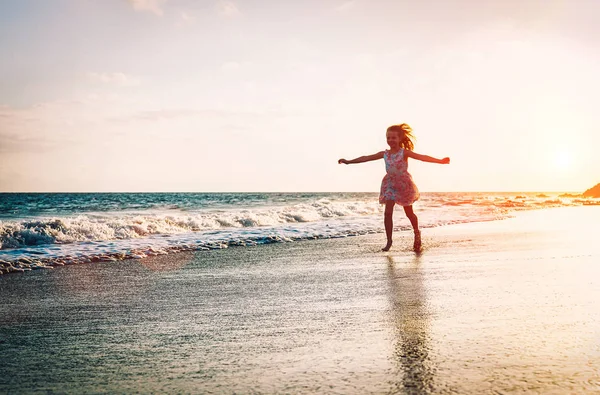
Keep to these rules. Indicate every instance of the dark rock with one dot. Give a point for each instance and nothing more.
(593, 192)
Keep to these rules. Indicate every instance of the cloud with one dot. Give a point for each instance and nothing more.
(113, 78)
(14, 143)
(157, 115)
(5, 112)
(21, 130)
(187, 17)
(153, 6)
(227, 8)
(205, 114)
(50, 126)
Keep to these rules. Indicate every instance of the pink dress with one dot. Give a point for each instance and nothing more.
(397, 185)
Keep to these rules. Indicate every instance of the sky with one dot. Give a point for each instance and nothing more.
(265, 95)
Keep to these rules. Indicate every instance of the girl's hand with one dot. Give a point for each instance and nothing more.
(445, 161)
(344, 161)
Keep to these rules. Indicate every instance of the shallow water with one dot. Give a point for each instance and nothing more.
(235, 320)
(499, 307)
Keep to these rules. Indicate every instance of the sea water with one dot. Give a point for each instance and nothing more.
(63, 228)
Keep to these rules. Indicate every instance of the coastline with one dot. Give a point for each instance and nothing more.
(39, 231)
(502, 306)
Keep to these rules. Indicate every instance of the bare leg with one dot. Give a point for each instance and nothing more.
(388, 221)
(414, 221)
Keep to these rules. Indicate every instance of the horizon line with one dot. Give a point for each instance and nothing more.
(217, 192)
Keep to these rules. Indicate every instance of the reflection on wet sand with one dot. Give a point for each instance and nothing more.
(410, 319)
(99, 290)
(165, 263)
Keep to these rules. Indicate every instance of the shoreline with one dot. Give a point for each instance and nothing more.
(502, 306)
(145, 250)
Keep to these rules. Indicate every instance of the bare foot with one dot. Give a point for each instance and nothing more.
(417, 244)
(387, 246)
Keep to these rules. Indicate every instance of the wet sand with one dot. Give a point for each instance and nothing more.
(499, 307)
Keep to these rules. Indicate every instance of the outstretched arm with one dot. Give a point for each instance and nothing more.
(426, 158)
(362, 159)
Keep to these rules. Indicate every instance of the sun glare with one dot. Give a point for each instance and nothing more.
(563, 161)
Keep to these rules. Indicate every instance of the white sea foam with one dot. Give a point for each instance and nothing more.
(126, 234)
(133, 225)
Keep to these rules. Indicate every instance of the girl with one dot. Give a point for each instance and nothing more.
(397, 185)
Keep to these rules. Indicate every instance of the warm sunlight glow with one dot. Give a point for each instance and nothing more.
(501, 87)
(563, 161)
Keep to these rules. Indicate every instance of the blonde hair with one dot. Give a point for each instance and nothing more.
(406, 136)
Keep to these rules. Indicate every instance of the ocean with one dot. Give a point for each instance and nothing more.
(50, 229)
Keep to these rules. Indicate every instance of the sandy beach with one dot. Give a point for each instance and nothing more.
(494, 307)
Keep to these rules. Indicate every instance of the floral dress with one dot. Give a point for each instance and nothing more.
(397, 185)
